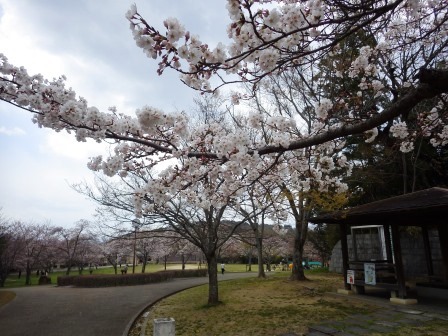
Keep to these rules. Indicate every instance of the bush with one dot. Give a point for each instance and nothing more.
(188, 273)
(44, 280)
(317, 270)
(66, 280)
(111, 280)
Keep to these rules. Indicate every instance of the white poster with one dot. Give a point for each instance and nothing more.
(351, 277)
(369, 274)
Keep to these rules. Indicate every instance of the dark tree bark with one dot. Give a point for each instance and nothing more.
(259, 240)
(301, 214)
(212, 268)
(28, 274)
(297, 256)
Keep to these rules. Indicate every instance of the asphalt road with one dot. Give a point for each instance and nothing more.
(70, 311)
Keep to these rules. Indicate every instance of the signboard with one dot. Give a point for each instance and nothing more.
(369, 274)
(351, 277)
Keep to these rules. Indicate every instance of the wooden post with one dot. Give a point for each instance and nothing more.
(443, 238)
(427, 248)
(399, 270)
(354, 245)
(344, 248)
(388, 243)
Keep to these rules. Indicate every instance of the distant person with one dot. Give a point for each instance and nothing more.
(223, 268)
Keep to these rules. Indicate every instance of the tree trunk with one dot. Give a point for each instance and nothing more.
(261, 273)
(268, 263)
(249, 262)
(183, 262)
(212, 267)
(28, 275)
(297, 256)
(144, 265)
(405, 173)
(301, 213)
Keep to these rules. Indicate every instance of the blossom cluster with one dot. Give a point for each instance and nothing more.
(271, 36)
(211, 164)
(197, 180)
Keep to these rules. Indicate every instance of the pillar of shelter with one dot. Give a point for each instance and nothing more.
(399, 269)
(427, 248)
(388, 242)
(443, 238)
(344, 248)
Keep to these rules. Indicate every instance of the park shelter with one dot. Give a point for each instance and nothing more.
(425, 209)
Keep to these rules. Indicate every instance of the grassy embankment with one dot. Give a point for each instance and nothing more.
(272, 306)
(6, 296)
(253, 306)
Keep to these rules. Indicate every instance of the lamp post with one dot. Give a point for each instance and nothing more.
(135, 224)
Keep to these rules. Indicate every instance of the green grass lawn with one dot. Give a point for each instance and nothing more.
(13, 280)
(271, 306)
(253, 306)
(6, 296)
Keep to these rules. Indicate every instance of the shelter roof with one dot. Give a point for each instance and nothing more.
(417, 208)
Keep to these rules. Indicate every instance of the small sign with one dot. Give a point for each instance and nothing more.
(369, 274)
(351, 277)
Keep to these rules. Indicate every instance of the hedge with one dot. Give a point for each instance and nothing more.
(111, 280)
(66, 280)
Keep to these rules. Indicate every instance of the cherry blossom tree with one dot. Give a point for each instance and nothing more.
(256, 236)
(10, 248)
(35, 241)
(72, 243)
(207, 228)
(299, 175)
(274, 246)
(112, 250)
(25, 246)
(211, 165)
(186, 250)
(265, 42)
(165, 247)
(186, 214)
(50, 255)
(271, 36)
(86, 253)
(232, 250)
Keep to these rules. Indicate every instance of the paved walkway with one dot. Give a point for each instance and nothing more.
(67, 311)
(386, 320)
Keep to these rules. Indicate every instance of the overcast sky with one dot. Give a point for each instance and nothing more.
(90, 42)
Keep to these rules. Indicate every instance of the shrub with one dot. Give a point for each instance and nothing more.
(188, 273)
(317, 270)
(66, 280)
(44, 280)
(111, 280)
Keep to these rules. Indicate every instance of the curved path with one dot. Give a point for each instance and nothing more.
(56, 311)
